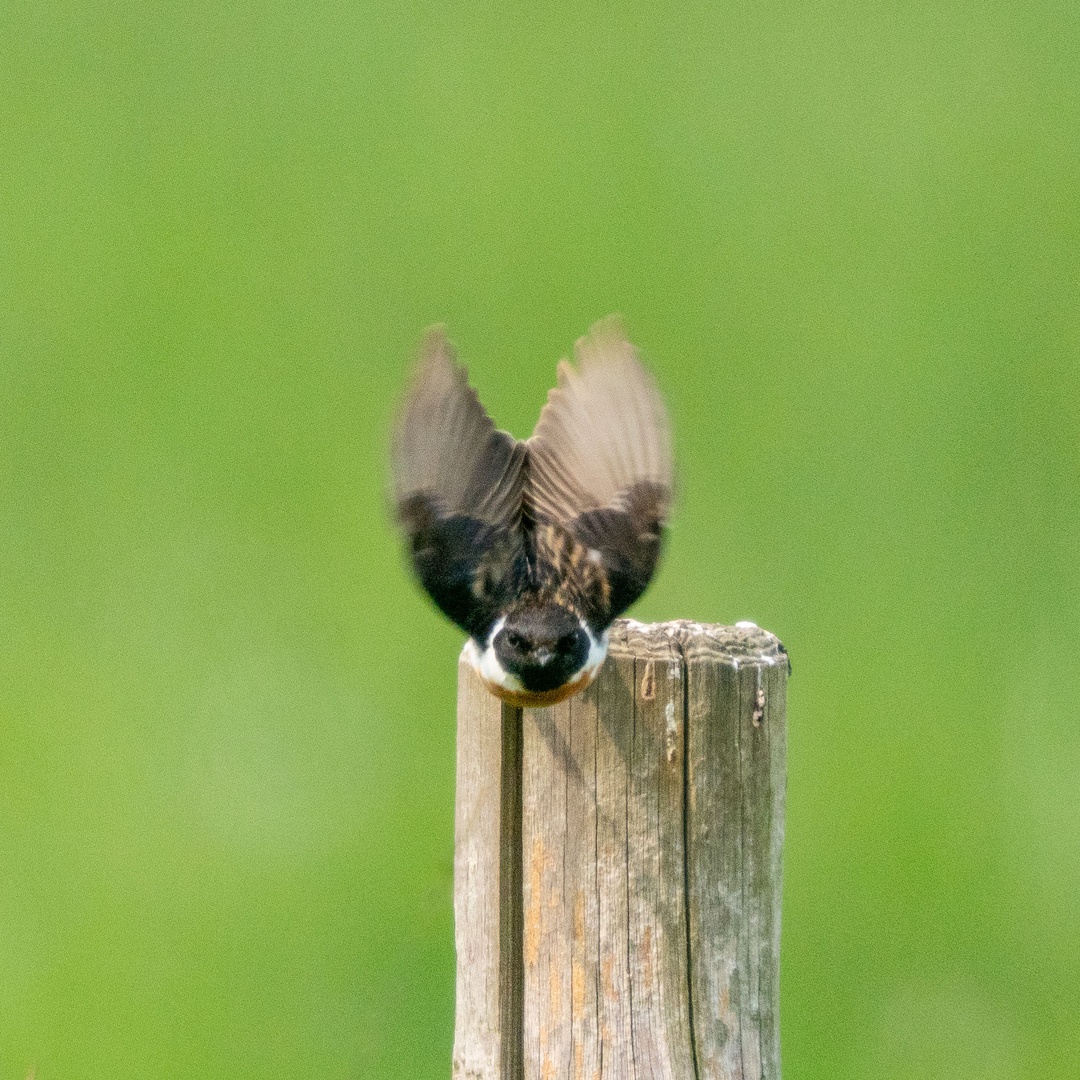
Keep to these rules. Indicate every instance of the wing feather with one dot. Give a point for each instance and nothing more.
(600, 462)
(458, 485)
(446, 445)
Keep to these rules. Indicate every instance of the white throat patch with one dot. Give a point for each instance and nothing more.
(486, 664)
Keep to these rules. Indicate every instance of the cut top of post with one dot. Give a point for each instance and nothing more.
(745, 641)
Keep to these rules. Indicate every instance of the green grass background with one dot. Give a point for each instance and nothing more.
(847, 237)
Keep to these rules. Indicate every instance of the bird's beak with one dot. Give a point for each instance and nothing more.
(543, 656)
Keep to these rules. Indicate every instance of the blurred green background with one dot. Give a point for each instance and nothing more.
(847, 238)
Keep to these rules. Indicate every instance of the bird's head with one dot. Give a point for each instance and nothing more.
(538, 654)
(544, 645)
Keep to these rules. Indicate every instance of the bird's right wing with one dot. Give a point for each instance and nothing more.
(458, 488)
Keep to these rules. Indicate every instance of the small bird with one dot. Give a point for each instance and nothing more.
(533, 548)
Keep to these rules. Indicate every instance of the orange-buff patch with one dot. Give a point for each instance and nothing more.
(528, 699)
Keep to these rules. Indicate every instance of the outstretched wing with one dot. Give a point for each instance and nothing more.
(458, 486)
(600, 465)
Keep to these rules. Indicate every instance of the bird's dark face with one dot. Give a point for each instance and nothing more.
(545, 646)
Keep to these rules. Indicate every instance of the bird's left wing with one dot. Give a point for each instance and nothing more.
(600, 469)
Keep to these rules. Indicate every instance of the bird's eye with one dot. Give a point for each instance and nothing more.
(567, 644)
(514, 640)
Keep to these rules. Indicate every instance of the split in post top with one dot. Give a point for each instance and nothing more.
(533, 547)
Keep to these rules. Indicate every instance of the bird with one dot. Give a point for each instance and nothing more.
(533, 547)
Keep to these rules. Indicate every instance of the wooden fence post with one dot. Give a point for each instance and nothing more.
(618, 863)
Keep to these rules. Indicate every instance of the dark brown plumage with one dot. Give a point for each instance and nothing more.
(534, 547)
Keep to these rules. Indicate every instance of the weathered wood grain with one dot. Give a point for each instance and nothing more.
(736, 782)
(649, 832)
(487, 886)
